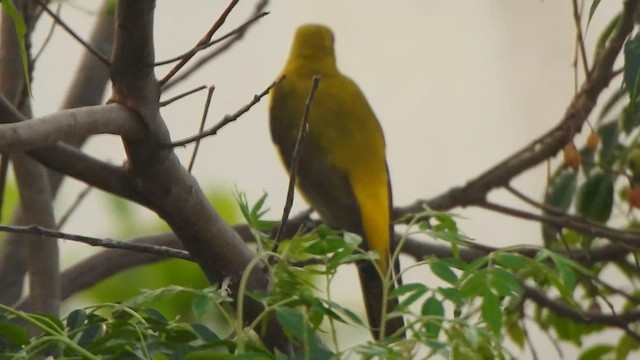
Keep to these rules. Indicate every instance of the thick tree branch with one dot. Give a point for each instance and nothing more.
(72, 162)
(68, 125)
(165, 185)
(33, 184)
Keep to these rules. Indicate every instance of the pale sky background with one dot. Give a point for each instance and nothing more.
(457, 86)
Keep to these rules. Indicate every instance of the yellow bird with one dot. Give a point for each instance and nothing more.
(342, 169)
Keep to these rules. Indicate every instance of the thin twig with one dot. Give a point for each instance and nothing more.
(207, 37)
(577, 315)
(105, 242)
(527, 336)
(219, 50)
(520, 195)
(74, 206)
(629, 239)
(295, 159)
(240, 29)
(180, 96)
(86, 45)
(228, 118)
(577, 16)
(49, 35)
(4, 168)
(202, 121)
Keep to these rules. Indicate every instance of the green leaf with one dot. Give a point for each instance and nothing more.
(292, 321)
(595, 198)
(516, 333)
(607, 33)
(76, 318)
(596, 352)
(12, 334)
(204, 333)
(443, 271)
(475, 284)
(491, 311)
(413, 291)
(632, 65)
(511, 261)
(251, 356)
(630, 117)
(625, 346)
(592, 10)
(587, 159)
(473, 267)
(452, 294)
(207, 355)
(503, 282)
(562, 189)
(21, 31)
(433, 308)
(609, 135)
(566, 274)
(200, 305)
(91, 333)
(325, 246)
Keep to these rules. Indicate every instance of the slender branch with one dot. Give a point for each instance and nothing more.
(49, 35)
(520, 195)
(228, 118)
(207, 37)
(104, 242)
(205, 112)
(630, 239)
(74, 206)
(541, 299)
(68, 29)
(295, 160)
(240, 29)
(220, 50)
(580, 38)
(180, 96)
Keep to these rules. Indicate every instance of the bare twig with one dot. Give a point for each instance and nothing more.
(180, 96)
(86, 45)
(541, 299)
(520, 195)
(74, 206)
(220, 50)
(49, 35)
(228, 118)
(295, 159)
(205, 112)
(240, 29)
(207, 37)
(527, 337)
(629, 239)
(577, 17)
(104, 242)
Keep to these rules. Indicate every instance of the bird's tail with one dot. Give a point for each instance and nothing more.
(373, 295)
